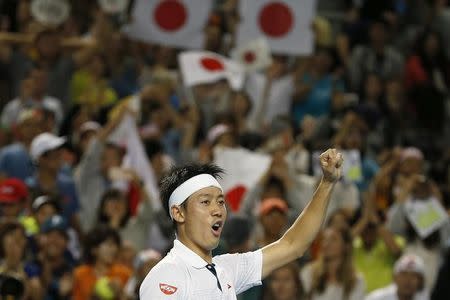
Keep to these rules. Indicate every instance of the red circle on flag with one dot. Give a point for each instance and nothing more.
(212, 64)
(249, 57)
(234, 197)
(276, 19)
(170, 15)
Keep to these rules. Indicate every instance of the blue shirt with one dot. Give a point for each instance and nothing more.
(318, 101)
(65, 189)
(16, 162)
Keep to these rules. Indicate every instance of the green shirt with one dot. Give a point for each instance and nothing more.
(376, 264)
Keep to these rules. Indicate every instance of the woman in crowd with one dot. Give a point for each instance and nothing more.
(332, 276)
(285, 284)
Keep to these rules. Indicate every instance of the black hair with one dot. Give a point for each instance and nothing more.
(177, 175)
(110, 194)
(5, 229)
(153, 147)
(97, 236)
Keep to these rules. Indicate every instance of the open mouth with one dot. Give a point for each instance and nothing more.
(217, 228)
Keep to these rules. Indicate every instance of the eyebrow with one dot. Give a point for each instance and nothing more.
(210, 195)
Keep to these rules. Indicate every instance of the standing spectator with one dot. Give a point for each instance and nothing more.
(15, 160)
(100, 265)
(49, 180)
(114, 211)
(377, 57)
(375, 249)
(332, 276)
(408, 281)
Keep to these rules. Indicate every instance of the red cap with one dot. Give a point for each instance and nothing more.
(12, 190)
(269, 204)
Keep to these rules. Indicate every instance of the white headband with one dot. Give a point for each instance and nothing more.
(190, 186)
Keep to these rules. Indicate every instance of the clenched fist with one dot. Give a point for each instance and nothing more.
(331, 164)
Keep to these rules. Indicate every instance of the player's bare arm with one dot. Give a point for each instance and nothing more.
(300, 235)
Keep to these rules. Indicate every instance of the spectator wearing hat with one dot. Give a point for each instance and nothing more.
(42, 208)
(46, 152)
(145, 260)
(13, 196)
(15, 160)
(54, 264)
(408, 281)
(13, 246)
(273, 217)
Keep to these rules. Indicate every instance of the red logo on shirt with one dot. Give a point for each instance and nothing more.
(229, 286)
(167, 289)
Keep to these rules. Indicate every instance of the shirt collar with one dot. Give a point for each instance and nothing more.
(187, 255)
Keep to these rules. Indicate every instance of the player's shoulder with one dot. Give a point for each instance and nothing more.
(168, 277)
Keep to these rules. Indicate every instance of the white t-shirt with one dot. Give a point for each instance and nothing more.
(390, 293)
(182, 274)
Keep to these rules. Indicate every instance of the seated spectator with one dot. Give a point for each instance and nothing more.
(408, 281)
(54, 264)
(284, 284)
(15, 160)
(332, 275)
(13, 199)
(100, 265)
(13, 245)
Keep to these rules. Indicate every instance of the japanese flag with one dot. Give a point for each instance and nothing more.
(199, 67)
(177, 23)
(286, 24)
(254, 56)
(243, 169)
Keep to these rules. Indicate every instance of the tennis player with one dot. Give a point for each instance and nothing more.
(195, 201)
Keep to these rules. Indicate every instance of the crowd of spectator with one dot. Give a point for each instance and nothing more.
(76, 224)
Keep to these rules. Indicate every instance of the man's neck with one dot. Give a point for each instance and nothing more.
(204, 254)
(46, 178)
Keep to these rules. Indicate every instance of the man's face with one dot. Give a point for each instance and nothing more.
(55, 244)
(52, 160)
(408, 283)
(205, 215)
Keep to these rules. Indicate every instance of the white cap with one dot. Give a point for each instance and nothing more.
(410, 263)
(44, 143)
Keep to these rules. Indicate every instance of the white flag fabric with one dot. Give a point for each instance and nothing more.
(254, 56)
(286, 24)
(199, 67)
(243, 169)
(177, 23)
(426, 215)
(127, 135)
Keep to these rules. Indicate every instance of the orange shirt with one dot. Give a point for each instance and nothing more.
(85, 279)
